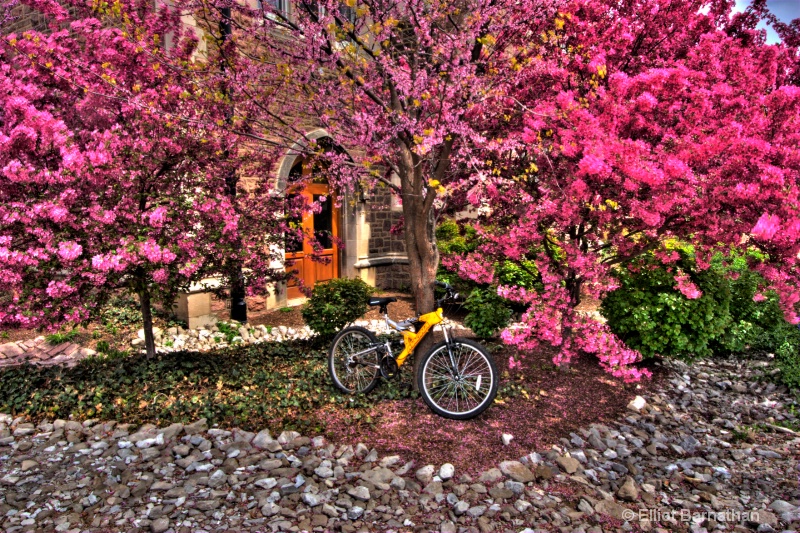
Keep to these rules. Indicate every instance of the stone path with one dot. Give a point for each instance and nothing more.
(39, 352)
(691, 456)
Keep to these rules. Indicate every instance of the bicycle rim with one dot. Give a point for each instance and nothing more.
(453, 396)
(352, 376)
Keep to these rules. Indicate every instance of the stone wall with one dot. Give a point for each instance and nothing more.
(392, 277)
(25, 19)
(383, 213)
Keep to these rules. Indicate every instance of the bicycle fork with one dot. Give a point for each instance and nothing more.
(453, 366)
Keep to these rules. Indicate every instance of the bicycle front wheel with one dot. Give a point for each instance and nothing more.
(458, 387)
(353, 360)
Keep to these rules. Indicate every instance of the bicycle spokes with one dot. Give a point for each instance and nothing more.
(354, 361)
(458, 379)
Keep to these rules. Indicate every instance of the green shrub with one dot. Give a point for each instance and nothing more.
(452, 238)
(750, 320)
(523, 274)
(103, 347)
(652, 316)
(336, 303)
(787, 355)
(488, 312)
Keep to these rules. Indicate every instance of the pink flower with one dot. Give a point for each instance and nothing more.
(766, 227)
(69, 251)
(107, 263)
(157, 217)
(513, 364)
(687, 287)
(58, 214)
(59, 289)
(592, 165)
(161, 275)
(759, 297)
(151, 250)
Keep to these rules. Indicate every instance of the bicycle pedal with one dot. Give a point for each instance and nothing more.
(389, 368)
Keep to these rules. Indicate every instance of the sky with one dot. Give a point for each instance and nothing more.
(786, 10)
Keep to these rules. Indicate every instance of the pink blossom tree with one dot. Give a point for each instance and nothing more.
(113, 168)
(638, 122)
(397, 82)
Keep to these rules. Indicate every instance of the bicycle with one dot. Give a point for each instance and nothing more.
(457, 377)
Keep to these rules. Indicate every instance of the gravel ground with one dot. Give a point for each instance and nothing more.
(693, 454)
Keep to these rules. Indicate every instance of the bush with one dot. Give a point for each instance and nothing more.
(749, 319)
(653, 317)
(452, 238)
(488, 312)
(787, 354)
(336, 303)
(523, 274)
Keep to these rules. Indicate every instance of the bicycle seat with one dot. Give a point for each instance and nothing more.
(383, 302)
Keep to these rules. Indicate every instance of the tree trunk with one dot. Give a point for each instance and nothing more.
(147, 318)
(238, 302)
(423, 255)
(574, 285)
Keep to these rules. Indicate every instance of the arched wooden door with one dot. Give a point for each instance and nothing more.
(324, 227)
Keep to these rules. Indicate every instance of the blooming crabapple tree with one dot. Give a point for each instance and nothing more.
(638, 122)
(398, 82)
(112, 168)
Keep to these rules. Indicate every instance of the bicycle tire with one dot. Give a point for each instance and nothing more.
(361, 379)
(441, 390)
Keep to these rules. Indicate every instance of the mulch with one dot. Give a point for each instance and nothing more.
(560, 401)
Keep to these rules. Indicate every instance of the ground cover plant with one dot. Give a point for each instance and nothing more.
(286, 386)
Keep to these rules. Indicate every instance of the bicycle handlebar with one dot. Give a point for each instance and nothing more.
(451, 294)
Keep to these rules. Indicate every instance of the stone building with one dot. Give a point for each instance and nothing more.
(361, 223)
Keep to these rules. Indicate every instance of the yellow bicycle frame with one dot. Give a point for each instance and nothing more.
(412, 339)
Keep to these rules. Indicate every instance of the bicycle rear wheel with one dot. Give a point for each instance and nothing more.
(461, 388)
(352, 365)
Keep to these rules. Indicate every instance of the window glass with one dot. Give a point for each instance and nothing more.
(323, 223)
(293, 241)
(277, 5)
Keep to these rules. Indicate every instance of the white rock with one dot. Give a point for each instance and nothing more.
(637, 404)
(425, 474)
(447, 471)
(507, 438)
